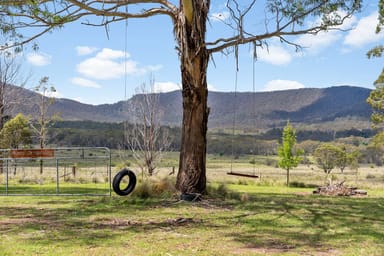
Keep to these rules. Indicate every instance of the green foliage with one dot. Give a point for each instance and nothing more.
(288, 157)
(16, 132)
(328, 156)
(376, 97)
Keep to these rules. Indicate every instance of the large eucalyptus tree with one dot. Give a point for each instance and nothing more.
(283, 19)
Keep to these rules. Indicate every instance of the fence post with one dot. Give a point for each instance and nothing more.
(57, 177)
(6, 181)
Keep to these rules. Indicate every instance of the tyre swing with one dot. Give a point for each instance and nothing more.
(116, 183)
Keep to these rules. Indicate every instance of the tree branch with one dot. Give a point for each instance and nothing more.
(288, 22)
(22, 14)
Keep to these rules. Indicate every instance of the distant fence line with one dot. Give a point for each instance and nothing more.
(56, 171)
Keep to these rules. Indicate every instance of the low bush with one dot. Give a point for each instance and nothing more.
(155, 187)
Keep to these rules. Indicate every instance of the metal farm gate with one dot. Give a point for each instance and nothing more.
(55, 171)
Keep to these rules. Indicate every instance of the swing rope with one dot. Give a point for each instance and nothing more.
(125, 134)
(254, 106)
(231, 172)
(234, 119)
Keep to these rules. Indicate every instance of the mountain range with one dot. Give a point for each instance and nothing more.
(341, 105)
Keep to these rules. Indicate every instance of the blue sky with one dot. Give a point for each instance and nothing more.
(93, 66)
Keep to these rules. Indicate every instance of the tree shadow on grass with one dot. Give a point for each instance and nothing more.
(274, 223)
(286, 222)
(89, 222)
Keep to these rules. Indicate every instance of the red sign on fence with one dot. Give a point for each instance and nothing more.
(32, 153)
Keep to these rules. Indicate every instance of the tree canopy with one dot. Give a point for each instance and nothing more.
(282, 18)
(376, 97)
(16, 133)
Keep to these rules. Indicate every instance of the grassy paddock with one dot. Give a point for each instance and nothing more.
(240, 217)
(287, 221)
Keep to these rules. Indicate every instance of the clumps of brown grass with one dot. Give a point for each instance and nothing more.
(155, 187)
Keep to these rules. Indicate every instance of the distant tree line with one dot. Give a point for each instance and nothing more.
(100, 134)
(345, 151)
(319, 135)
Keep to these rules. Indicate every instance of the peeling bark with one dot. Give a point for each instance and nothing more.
(194, 59)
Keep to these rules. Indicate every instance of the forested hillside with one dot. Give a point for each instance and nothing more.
(336, 107)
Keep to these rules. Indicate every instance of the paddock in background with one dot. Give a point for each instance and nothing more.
(56, 171)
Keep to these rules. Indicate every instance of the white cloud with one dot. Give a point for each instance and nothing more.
(111, 64)
(211, 87)
(56, 94)
(324, 39)
(274, 54)
(85, 50)
(39, 59)
(315, 43)
(364, 32)
(171, 86)
(85, 82)
(52, 94)
(107, 53)
(166, 86)
(219, 16)
(278, 85)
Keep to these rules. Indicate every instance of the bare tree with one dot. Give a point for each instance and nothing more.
(41, 123)
(9, 75)
(146, 138)
(282, 20)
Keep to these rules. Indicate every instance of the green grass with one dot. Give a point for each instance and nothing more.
(240, 217)
(271, 221)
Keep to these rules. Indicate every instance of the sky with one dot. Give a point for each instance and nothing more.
(95, 65)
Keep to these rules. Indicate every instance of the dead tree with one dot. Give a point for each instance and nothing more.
(145, 137)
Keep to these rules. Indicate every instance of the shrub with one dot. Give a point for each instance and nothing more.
(370, 176)
(144, 190)
(155, 188)
(271, 162)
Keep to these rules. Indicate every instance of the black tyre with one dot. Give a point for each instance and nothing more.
(119, 177)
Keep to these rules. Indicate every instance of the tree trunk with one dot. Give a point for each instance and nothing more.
(288, 177)
(191, 177)
(194, 57)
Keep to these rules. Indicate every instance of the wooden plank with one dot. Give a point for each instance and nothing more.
(242, 174)
(32, 153)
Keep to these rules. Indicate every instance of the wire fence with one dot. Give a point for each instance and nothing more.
(55, 171)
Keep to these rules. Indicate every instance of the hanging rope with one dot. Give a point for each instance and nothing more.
(125, 54)
(234, 117)
(254, 105)
(125, 74)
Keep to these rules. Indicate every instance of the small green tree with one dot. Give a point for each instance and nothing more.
(343, 158)
(289, 158)
(328, 156)
(16, 133)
